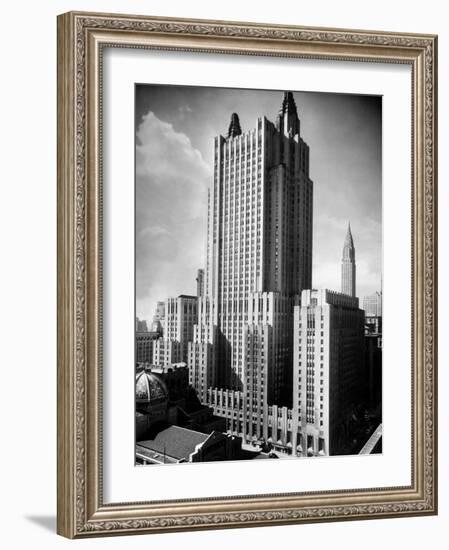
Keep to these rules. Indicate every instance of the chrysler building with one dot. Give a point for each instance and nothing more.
(348, 266)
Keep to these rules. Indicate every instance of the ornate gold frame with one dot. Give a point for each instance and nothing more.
(81, 37)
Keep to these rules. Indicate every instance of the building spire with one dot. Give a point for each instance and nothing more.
(234, 126)
(349, 242)
(288, 103)
(287, 119)
(348, 274)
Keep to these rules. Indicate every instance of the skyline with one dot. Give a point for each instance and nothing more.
(175, 127)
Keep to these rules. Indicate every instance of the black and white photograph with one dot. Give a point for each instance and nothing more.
(218, 205)
(258, 286)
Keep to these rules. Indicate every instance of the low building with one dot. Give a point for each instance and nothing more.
(175, 444)
(164, 397)
(278, 421)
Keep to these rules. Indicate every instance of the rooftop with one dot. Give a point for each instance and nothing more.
(175, 442)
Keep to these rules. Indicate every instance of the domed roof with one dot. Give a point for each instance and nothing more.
(150, 388)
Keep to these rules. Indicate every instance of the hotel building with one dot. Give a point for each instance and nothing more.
(258, 258)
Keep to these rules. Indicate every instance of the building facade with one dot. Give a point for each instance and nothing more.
(181, 314)
(372, 304)
(275, 428)
(159, 318)
(328, 369)
(141, 325)
(144, 346)
(258, 258)
(373, 324)
(348, 271)
(166, 352)
(200, 283)
(373, 367)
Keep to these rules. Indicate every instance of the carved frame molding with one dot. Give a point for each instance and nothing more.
(81, 38)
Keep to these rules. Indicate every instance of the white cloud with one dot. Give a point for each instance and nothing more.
(171, 188)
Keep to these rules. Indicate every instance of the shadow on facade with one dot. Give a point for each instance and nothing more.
(227, 377)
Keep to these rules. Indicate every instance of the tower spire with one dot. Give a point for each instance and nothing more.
(287, 119)
(349, 242)
(348, 278)
(234, 126)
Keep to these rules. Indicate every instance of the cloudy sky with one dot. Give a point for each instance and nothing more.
(175, 127)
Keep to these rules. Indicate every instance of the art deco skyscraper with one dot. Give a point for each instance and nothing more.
(348, 281)
(258, 258)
